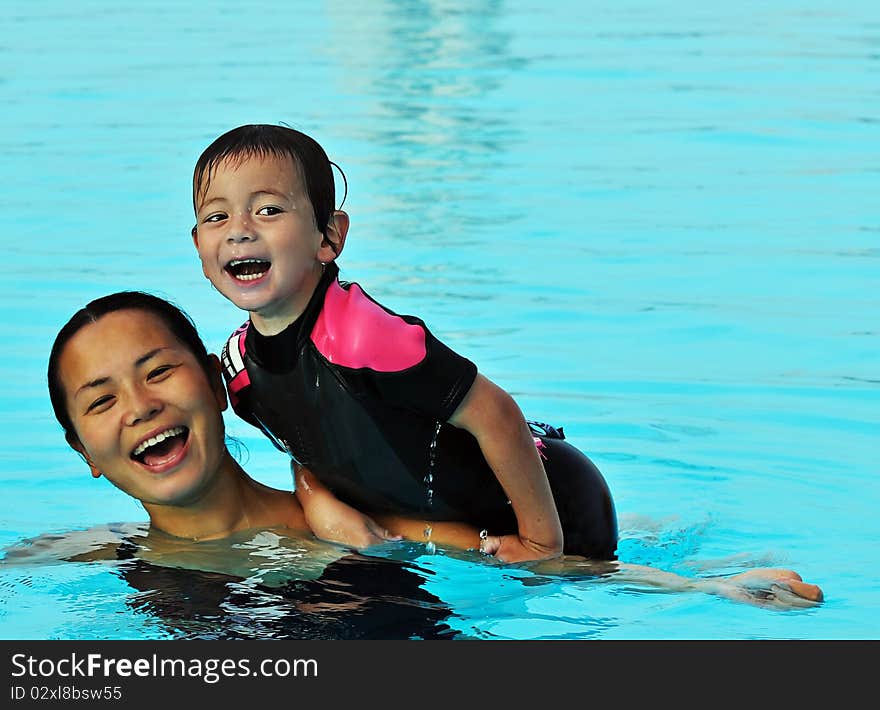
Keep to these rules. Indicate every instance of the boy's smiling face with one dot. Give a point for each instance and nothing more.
(257, 239)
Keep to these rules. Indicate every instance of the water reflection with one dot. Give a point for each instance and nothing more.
(427, 72)
(354, 598)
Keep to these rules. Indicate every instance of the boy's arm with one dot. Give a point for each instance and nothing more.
(493, 417)
(331, 519)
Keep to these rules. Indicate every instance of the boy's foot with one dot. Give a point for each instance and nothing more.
(777, 587)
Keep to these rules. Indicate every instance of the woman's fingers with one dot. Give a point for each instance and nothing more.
(381, 534)
(490, 544)
(510, 548)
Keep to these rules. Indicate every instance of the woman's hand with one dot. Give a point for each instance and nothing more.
(513, 548)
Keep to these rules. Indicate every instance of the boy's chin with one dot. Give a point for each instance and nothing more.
(245, 301)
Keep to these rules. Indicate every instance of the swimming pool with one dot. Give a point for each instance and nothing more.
(656, 229)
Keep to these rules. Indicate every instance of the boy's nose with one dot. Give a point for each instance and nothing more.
(241, 229)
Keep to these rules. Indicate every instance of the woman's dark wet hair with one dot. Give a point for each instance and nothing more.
(178, 322)
(282, 142)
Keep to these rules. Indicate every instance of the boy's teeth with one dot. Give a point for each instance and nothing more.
(248, 269)
(153, 440)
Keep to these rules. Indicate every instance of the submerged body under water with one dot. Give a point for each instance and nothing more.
(127, 581)
(254, 585)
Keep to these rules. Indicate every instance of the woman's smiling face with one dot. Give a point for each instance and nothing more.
(146, 414)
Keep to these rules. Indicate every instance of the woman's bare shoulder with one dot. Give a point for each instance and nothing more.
(97, 544)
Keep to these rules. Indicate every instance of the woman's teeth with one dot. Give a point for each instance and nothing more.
(158, 439)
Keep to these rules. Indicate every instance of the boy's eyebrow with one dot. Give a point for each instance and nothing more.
(99, 381)
(269, 191)
(211, 201)
(256, 193)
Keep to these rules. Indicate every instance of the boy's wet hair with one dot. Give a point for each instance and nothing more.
(178, 323)
(263, 140)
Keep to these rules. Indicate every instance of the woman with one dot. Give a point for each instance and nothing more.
(141, 400)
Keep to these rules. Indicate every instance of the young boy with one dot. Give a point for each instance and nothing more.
(383, 414)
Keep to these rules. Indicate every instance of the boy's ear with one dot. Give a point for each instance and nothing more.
(334, 240)
(77, 446)
(217, 383)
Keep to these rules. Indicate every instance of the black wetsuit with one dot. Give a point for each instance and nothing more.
(362, 396)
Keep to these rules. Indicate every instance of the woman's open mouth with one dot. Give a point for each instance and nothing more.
(248, 270)
(164, 450)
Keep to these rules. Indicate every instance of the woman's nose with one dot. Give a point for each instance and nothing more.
(143, 406)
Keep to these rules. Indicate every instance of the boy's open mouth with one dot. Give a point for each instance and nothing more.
(161, 448)
(248, 269)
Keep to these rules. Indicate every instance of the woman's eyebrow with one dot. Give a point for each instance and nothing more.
(99, 381)
(146, 356)
(91, 383)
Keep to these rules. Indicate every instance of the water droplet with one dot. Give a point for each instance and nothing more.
(430, 547)
(432, 459)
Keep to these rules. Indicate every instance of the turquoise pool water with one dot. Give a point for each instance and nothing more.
(656, 227)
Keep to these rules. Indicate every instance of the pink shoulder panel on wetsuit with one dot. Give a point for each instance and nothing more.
(353, 331)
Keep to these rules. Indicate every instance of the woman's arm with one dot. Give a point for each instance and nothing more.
(493, 417)
(331, 519)
(445, 534)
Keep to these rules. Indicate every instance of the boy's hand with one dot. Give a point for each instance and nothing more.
(332, 520)
(513, 548)
(350, 528)
(495, 420)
